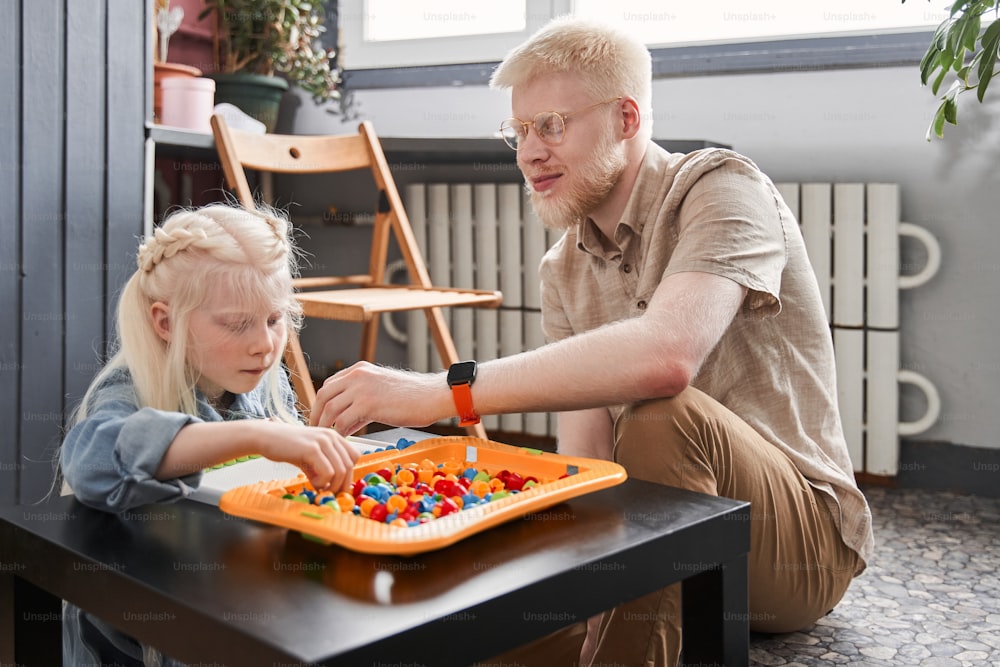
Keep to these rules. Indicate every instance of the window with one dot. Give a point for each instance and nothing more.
(662, 23)
(395, 20)
(401, 33)
(685, 36)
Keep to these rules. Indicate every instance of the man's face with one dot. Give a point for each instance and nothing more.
(570, 180)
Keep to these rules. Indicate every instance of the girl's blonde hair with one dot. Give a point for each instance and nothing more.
(250, 254)
(608, 60)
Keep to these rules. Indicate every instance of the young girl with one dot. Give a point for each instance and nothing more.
(197, 380)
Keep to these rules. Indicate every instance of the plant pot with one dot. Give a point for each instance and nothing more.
(188, 103)
(162, 71)
(256, 95)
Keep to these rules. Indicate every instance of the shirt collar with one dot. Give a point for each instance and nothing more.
(642, 204)
(243, 406)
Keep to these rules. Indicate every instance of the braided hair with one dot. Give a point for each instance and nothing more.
(248, 253)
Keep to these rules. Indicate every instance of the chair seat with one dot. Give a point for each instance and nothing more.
(331, 281)
(365, 303)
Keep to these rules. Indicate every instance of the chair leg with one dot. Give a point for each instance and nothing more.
(477, 431)
(299, 371)
(369, 339)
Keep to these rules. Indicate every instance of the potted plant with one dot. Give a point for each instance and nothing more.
(958, 36)
(256, 40)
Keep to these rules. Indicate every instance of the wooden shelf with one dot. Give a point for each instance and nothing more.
(181, 144)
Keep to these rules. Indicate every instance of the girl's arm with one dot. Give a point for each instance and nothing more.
(110, 458)
(323, 455)
(116, 458)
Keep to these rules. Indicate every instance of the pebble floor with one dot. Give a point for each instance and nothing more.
(930, 596)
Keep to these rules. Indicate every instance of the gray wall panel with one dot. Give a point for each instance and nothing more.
(85, 173)
(127, 110)
(10, 256)
(43, 318)
(73, 100)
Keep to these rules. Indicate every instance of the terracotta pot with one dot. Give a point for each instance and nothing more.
(162, 71)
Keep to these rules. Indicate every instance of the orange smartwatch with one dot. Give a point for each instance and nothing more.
(461, 375)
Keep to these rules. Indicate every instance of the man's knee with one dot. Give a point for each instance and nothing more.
(666, 440)
(678, 415)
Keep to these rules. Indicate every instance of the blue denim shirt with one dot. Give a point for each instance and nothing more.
(109, 459)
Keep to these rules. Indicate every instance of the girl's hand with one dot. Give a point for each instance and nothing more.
(323, 455)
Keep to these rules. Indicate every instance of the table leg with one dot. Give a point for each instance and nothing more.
(33, 617)
(6, 618)
(716, 618)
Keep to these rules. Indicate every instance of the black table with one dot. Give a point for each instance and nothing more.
(208, 588)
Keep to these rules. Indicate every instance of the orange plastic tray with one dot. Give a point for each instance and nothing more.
(263, 501)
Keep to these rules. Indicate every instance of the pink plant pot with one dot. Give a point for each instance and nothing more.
(188, 103)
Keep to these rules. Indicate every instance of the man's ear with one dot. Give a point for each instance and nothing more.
(631, 118)
(159, 314)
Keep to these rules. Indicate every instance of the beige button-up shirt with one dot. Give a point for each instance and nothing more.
(713, 211)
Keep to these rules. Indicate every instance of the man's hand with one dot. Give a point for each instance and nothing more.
(366, 393)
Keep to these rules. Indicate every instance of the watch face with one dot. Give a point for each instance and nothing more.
(462, 372)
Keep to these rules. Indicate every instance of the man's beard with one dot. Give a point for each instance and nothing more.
(594, 181)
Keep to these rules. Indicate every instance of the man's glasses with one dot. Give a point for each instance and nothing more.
(550, 126)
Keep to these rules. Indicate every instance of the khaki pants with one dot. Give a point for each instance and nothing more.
(799, 568)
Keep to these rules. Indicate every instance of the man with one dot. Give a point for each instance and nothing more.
(686, 337)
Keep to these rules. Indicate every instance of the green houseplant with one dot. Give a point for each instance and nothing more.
(961, 46)
(259, 39)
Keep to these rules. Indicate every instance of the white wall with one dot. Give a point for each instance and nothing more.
(846, 125)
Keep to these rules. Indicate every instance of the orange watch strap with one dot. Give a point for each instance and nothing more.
(462, 393)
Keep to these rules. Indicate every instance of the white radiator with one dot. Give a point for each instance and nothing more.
(852, 231)
(486, 236)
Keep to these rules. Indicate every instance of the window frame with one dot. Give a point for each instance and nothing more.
(351, 15)
(872, 50)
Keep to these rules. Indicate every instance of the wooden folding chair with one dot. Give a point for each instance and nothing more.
(356, 298)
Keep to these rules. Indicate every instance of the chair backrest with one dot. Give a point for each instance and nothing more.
(313, 154)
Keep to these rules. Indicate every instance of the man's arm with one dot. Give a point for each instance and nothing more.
(655, 355)
(587, 433)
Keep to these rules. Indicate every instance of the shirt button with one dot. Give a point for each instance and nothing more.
(641, 305)
(627, 268)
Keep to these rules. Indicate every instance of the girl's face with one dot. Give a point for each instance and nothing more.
(230, 348)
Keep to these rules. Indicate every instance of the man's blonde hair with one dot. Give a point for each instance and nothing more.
(608, 60)
(250, 254)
